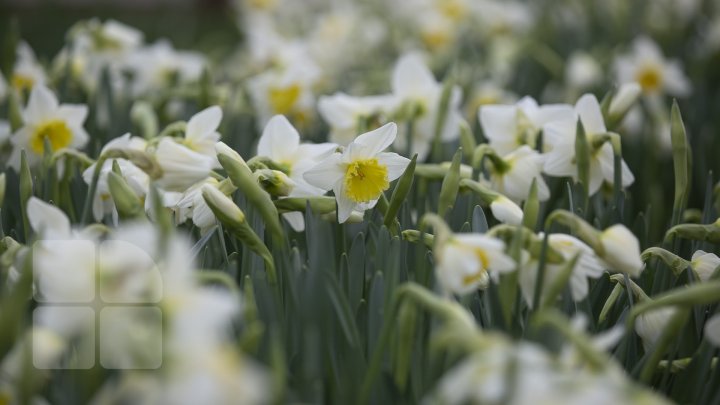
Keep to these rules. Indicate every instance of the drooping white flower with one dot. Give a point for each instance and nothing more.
(181, 166)
(704, 264)
(192, 205)
(136, 178)
(464, 261)
(507, 127)
(621, 250)
(506, 211)
(44, 119)
(647, 66)
(416, 88)
(360, 174)
(589, 265)
(343, 113)
(650, 325)
(560, 137)
(515, 176)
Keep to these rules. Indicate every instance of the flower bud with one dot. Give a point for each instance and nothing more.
(712, 330)
(275, 182)
(506, 211)
(223, 207)
(621, 250)
(623, 100)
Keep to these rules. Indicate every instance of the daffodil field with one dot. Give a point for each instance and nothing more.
(386, 202)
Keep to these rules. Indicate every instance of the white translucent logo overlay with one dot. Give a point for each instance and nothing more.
(101, 299)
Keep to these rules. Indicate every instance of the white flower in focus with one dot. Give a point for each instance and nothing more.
(704, 264)
(136, 178)
(647, 66)
(360, 174)
(463, 262)
(587, 266)
(181, 166)
(416, 88)
(560, 137)
(507, 127)
(621, 250)
(343, 113)
(506, 211)
(650, 325)
(515, 176)
(61, 125)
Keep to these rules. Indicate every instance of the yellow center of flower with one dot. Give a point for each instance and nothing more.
(55, 131)
(481, 272)
(22, 82)
(262, 4)
(282, 99)
(649, 78)
(365, 180)
(435, 39)
(452, 9)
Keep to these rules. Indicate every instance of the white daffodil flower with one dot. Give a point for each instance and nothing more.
(464, 261)
(507, 127)
(360, 174)
(159, 65)
(136, 178)
(61, 125)
(704, 264)
(343, 113)
(181, 166)
(560, 138)
(192, 205)
(516, 173)
(589, 265)
(621, 250)
(416, 88)
(582, 71)
(201, 132)
(647, 66)
(286, 90)
(27, 72)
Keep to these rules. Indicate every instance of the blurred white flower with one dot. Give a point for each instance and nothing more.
(704, 264)
(201, 132)
(159, 66)
(587, 266)
(650, 325)
(624, 99)
(360, 174)
(560, 137)
(621, 250)
(44, 119)
(192, 205)
(464, 261)
(136, 178)
(417, 90)
(27, 72)
(515, 176)
(647, 66)
(712, 330)
(343, 113)
(582, 71)
(507, 127)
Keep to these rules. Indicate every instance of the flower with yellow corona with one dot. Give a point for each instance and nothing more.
(46, 122)
(647, 66)
(360, 174)
(464, 262)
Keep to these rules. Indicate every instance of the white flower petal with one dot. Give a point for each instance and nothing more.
(204, 123)
(279, 139)
(41, 105)
(376, 141)
(588, 109)
(395, 164)
(46, 219)
(326, 173)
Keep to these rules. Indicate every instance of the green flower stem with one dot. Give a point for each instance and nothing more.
(450, 186)
(676, 263)
(595, 359)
